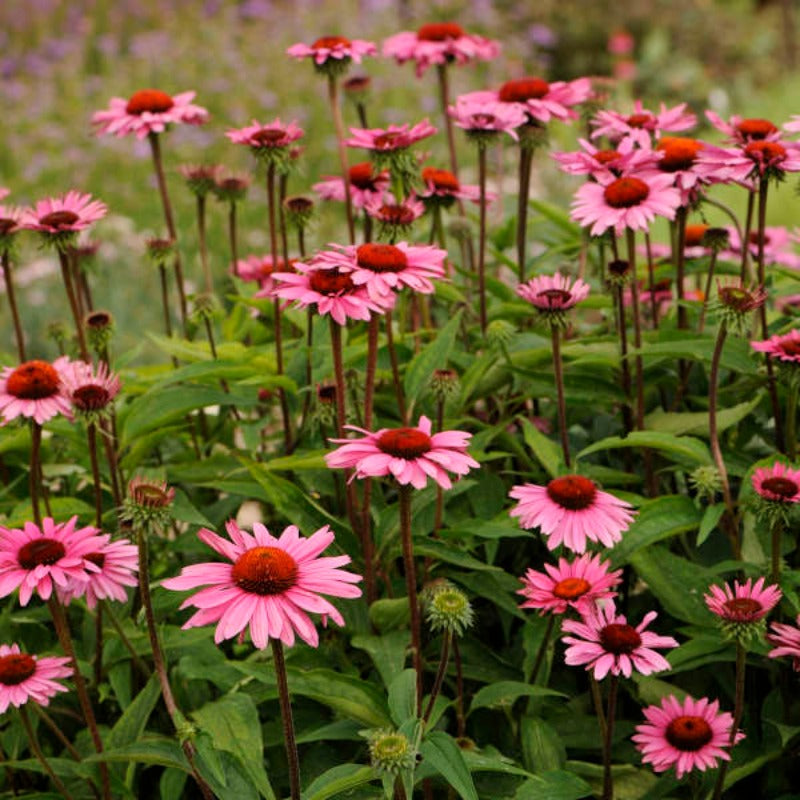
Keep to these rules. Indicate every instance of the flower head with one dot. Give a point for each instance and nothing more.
(59, 219)
(390, 751)
(576, 584)
(232, 187)
(90, 390)
(605, 642)
(366, 184)
(781, 347)
(9, 224)
(484, 119)
(642, 124)
(270, 585)
(735, 303)
(410, 455)
(571, 510)
(148, 111)
(201, 178)
(741, 610)
(740, 130)
(778, 483)
(34, 390)
(625, 158)
(387, 140)
(394, 219)
(552, 295)
(448, 609)
(148, 504)
(687, 735)
(760, 158)
(25, 677)
(269, 143)
(333, 54)
(786, 639)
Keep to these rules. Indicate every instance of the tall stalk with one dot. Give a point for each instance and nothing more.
(525, 165)
(201, 237)
(558, 370)
(404, 504)
(336, 113)
(40, 756)
(72, 297)
(34, 477)
(482, 236)
(286, 719)
(608, 778)
(738, 710)
(444, 102)
(8, 279)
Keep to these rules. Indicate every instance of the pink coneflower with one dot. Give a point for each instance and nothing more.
(25, 677)
(393, 138)
(688, 735)
(410, 455)
(439, 43)
(781, 347)
(4, 192)
(271, 585)
(778, 246)
(262, 138)
(626, 158)
(577, 584)
(678, 157)
(570, 510)
(34, 559)
(482, 118)
(10, 218)
(90, 390)
(117, 562)
(385, 268)
(331, 290)
(744, 604)
(201, 178)
(148, 111)
(606, 643)
(778, 483)
(34, 390)
(442, 187)
(333, 48)
(261, 270)
(741, 130)
(622, 203)
(366, 184)
(395, 218)
(786, 639)
(756, 159)
(642, 123)
(550, 293)
(59, 219)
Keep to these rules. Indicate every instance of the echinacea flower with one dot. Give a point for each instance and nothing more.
(778, 483)
(443, 188)
(393, 138)
(734, 304)
(201, 178)
(484, 119)
(333, 54)
(34, 390)
(758, 159)
(260, 269)
(366, 184)
(687, 735)
(60, 219)
(553, 294)
(777, 244)
(605, 642)
(394, 219)
(740, 130)
(741, 610)
(148, 111)
(232, 187)
(148, 503)
(268, 142)
(90, 390)
(270, 586)
(10, 218)
(642, 123)
(781, 347)
(24, 677)
(410, 455)
(34, 559)
(786, 639)
(625, 158)
(439, 43)
(571, 510)
(576, 584)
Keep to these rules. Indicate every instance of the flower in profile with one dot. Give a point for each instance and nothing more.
(387, 140)
(778, 246)
(160, 251)
(99, 326)
(439, 43)
(231, 187)
(642, 124)
(394, 219)
(741, 610)
(10, 218)
(552, 295)
(605, 642)
(443, 188)
(410, 455)
(270, 585)
(34, 390)
(781, 347)
(625, 158)
(366, 184)
(299, 210)
(786, 641)
(148, 111)
(60, 219)
(269, 143)
(261, 270)
(626, 202)
(34, 559)
(25, 677)
(735, 303)
(200, 178)
(741, 130)
(761, 158)
(576, 584)
(90, 390)
(484, 119)
(385, 268)
(333, 54)
(149, 503)
(687, 735)
(571, 510)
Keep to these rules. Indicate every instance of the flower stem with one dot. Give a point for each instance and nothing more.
(91, 443)
(608, 778)
(109, 613)
(738, 710)
(37, 751)
(541, 652)
(744, 239)
(66, 274)
(201, 237)
(444, 101)
(439, 679)
(336, 113)
(791, 419)
(777, 533)
(233, 237)
(12, 304)
(482, 236)
(651, 280)
(286, 719)
(162, 272)
(558, 370)
(525, 164)
(404, 497)
(679, 259)
(625, 367)
(461, 721)
(35, 471)
(707, 292)
(398, 386)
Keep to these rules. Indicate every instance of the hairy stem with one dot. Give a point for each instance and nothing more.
(286, 718)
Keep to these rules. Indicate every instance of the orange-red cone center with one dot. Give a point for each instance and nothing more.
(33, 380)
(688, 733)
(16, 668)
(620, 639)
(572, 491)
(40, 551)
(152, 100)
(440, 31)
(626, 192)
(405, 443)
(571, 588)
(330, 281)
(265, 571)
(522, 89)
(381, 258)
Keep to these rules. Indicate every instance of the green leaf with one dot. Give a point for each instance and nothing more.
(554, 785)
(711, 516)
(696, 422)
(442, 753)
(542, 747)
(503, 694)
(403, 697)
(546, 451)
(683, 449)
(389, 613)
(339, 779)
(433, 356)
(130, 726)
(736, 355)
(158, 750)
(388, 652)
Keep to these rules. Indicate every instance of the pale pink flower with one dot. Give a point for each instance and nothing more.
(786, 639)
(337, 48)
(576, 584)
(745, 603)
(272, 136)
(391, 139)
(34, 390)
(570, 510)
(271, 585)
(779, 244)
(625, 159)
(755, 159)
(4, 192)
(642, 124)
(781, 347)
(148, 111)
(10, 218)
(89, 389)
(439, 43)
(34, 559)
(622, 203)
(740, 130)
(410, 455)
(687, 735)
(366, 185)
(25, 677)
(486, 117)
(393, 215)
(441, 186)
(260, 270)
(386, 268)
(778, 483)
(553, 292)
(67, 214)
(677, 156)
(605, 642)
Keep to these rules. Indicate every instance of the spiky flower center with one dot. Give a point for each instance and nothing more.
(330, 281)
(330, 42)
(265, 571)
(91, 397)
(98, 559)
(269, 137)
(689, 733)
(396, 214)
(522, 89)
(737, 298)
(389, 140)
(299, 204)
(440, 32)
(571, 588)
(756, 128)
(442, 179)
(783, 487)
(381, 258)
(619, 267)
(679, 153)
(152, 100)
(59, 219)
(16, 668)
(326, 394)
(555, 298)
(791, 347)
(694, 235)
(33, 380)
(573, 492)
(42, 551)
(606, 156)
(765, 152)
(742, 607)
(150, 495)
(620, 639)
(642, 120)
(98, 319)
(405, 443)
(362, 176)
(626, 192)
